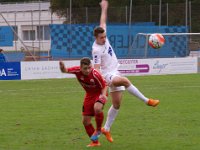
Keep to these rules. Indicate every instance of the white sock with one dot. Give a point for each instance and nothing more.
(112, 114)
(134, 91)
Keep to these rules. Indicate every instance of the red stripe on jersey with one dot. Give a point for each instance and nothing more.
(99, 78)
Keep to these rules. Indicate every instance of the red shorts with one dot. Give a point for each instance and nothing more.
(88, 104)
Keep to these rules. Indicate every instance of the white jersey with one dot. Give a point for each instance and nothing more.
(105, 56)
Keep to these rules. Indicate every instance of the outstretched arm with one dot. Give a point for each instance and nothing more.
(63, 69)
(103, 18)
(104, 92)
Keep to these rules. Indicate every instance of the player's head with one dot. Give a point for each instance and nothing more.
(86, 66)
(100, 35)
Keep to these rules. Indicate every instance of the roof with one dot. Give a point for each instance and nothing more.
(33, 6)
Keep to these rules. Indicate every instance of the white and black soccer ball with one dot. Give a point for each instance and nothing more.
(156, 40)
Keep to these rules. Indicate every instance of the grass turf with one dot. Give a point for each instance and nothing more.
(46, 115)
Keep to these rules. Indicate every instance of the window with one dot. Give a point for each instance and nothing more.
(28, 35)
(43, 32)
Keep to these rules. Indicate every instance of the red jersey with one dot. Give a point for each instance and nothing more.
(92, 83)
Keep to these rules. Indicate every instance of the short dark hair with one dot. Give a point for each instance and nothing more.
(85, 61)
(98, 30)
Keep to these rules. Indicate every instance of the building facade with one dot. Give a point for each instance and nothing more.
(30, 24)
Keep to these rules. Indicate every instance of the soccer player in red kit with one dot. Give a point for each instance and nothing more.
(95, 97)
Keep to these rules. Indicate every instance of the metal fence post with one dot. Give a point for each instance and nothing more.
(130, 15)
(186, 13)
(86, 15)
(160, 12)
(151, 13)
(167, 13)
(190, 16)
(126, 10)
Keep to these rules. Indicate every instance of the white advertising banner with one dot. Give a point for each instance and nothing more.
(128, 67)
(45, 69)
(158, 66)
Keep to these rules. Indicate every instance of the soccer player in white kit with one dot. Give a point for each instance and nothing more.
(106, 62)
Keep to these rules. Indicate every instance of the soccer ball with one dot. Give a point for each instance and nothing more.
(156, 40)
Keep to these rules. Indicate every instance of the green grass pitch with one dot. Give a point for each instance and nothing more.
(46, 115)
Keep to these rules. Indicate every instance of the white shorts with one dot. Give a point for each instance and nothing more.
(109, 77)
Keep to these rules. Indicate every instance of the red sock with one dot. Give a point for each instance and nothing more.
(99, 120)
(89, 129)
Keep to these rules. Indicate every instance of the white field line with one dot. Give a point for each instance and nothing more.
(75, 89)
(176, 87)
(36, 90)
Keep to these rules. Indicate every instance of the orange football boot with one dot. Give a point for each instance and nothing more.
(94, 144)
(107, 134)
(153, 103)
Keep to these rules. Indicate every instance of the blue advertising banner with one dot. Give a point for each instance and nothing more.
(10, 71)
(75, 41)
(120, 38)
(6, 36)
